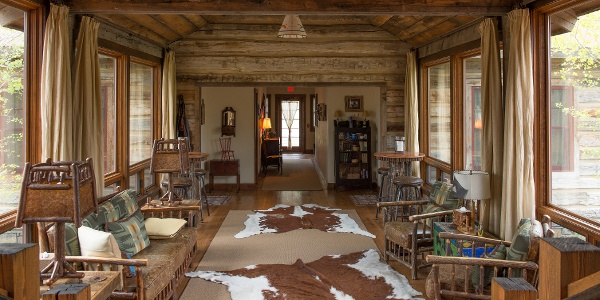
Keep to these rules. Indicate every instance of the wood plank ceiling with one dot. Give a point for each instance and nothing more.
(164, 22)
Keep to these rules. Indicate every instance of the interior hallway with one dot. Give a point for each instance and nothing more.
(257, 199)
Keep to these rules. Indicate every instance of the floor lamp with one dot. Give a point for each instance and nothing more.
(473, 186)
(58, 192)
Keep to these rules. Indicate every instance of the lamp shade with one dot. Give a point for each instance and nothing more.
(292, 28)
(472, 185)
(266, 123)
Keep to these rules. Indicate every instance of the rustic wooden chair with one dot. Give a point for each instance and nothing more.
(408, 227)
(171, 157)
(271, 154)
(470, 277)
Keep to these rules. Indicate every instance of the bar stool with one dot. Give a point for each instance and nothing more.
(384, 172)
(412, 184)
(406, 187)
(199, 173)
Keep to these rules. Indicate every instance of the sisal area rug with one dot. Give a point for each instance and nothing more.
(218, 200)
(228, 253)
(284, 218)
(362, 200)
(297, 175)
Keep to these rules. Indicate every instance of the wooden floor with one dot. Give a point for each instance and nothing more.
(257, 199)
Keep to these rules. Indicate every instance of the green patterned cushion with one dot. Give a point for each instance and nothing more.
(520, 242)
(431, 208)
(443, 193)
(107, 213)
(488, 272)
(91, 221)
(130, 233)
(120, 205)
(71, 240)
(130, 200)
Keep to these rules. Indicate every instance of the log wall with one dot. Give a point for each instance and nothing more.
(222, 55)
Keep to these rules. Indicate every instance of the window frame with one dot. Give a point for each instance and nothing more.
(542, 148)
(34, 22)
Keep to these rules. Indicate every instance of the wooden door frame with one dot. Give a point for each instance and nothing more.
(278, 122)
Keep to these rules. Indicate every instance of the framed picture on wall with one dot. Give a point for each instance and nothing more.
(354, 103)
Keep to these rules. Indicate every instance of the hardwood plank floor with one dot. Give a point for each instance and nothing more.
(257, 199)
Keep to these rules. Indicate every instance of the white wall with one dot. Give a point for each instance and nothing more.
(242, 101)
(334, 97)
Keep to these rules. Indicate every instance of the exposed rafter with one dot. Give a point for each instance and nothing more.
(320, 7)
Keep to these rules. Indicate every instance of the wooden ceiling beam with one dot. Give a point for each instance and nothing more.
(313, 7)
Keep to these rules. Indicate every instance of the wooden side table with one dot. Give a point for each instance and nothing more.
(191, 207)
(439, 244)
(224, 168)
(102, 283)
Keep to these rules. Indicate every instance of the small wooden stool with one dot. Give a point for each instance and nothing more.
(512, 289)
(412, 183)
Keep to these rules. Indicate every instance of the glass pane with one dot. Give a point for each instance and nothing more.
(290, 125)
(12, 114)
(148, 178)
(438, 97)
(140, 112)
(108, 88)
(14, 235)
(110, 189)
(574, 109)
(431, 174)
(562, 232)
(472, 111)
(134, 182)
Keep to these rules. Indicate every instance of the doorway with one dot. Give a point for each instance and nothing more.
(290, 114)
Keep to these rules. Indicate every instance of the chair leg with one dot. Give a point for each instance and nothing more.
(379, 196)
(205, 196)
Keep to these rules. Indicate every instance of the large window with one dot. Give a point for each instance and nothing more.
(574, 111)
(439, 108)
(568, 91)
(108, 81)
(473, 123)
(12, 115)
(141, 96)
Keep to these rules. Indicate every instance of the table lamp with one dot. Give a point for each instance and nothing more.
(58, 192)
(474, 186)
(337, 114)
(266, 125)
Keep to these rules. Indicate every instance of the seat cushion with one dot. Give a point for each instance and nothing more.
(163, 228)
(445, 279)
(164, 257)
(401, 233)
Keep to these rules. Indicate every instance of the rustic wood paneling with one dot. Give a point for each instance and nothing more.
(156, 26)
(123, 23)
(181, 25)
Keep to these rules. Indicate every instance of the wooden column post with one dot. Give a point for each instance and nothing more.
(512, 289)
(20, 271)
(562, 261)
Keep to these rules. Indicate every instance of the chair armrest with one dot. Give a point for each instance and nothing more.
(472, 238)
(108, 260)
(402, 203)
(429, 215)
(484, 262)
(139, 292)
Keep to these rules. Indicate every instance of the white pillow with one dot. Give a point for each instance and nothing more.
(97, 243)
(163, 228)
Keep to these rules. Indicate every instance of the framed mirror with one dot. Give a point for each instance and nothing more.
(228, 122)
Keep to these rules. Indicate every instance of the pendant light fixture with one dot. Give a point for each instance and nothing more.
(292, 28)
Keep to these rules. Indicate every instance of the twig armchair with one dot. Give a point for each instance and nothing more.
(470, 277)
(408, 230)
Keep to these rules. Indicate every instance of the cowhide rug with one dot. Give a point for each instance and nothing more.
(359, 275)
(284, 218)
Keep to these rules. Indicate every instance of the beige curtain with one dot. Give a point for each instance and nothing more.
(57, 102)
(169, 96)
(411, 107)
(493, 122)
(518, 185)
(87, 100)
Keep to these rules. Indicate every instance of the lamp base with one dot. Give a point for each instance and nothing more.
(58, 267)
